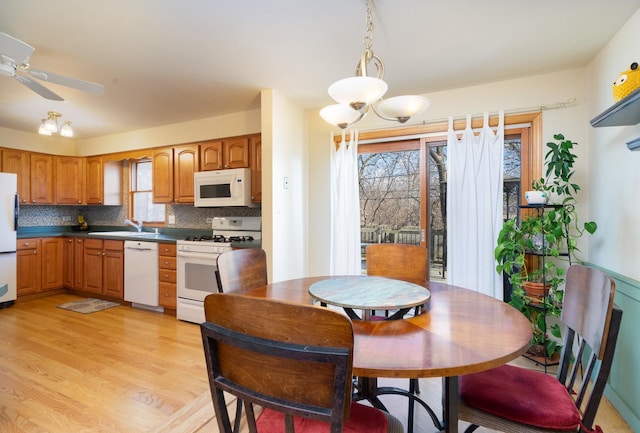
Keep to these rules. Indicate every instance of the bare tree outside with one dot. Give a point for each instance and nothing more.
(389, 196)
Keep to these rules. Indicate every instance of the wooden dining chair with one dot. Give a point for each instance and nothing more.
(516, 399)
(239, 269)
(242, 269)
(398, 261)
(294, 361)
(401, 262)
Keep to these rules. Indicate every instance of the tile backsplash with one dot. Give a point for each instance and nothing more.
(187, 216)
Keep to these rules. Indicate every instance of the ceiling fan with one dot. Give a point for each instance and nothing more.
(14, 62)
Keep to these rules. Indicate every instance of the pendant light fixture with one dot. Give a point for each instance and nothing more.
(356, 95)
(52, 124)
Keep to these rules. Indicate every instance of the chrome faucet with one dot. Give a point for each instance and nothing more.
(131, 223)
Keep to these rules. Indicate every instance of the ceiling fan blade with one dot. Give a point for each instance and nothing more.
(86, 86)
(38, 88)
(15, 49)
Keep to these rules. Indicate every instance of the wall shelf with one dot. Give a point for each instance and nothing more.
(625, 112)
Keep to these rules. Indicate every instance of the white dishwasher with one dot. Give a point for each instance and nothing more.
(141, 274)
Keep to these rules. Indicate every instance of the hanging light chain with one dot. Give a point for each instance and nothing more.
(368, 36)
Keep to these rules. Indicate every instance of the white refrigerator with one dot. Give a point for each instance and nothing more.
(8, 231)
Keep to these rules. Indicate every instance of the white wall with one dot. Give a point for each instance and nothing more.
(284, 210)
(526, 94)
(35, 142)
(614, 169)
(229, 125)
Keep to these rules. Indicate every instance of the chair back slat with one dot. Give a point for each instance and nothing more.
(242, 269)
(590, 294)
(399, 261)
(292, 358)
(576, 365)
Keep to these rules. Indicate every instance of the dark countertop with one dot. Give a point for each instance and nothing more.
(164, 235)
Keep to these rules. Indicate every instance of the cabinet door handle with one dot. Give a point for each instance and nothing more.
(35, 252)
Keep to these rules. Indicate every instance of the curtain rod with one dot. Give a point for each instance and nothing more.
(553, 106)
(434, 134)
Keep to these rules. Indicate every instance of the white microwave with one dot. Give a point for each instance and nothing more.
(219, 188)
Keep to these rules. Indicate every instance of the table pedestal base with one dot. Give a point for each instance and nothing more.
(367, 389)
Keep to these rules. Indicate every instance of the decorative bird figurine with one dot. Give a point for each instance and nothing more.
(627, 82)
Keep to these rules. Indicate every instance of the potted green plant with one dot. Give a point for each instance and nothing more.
(539, 247)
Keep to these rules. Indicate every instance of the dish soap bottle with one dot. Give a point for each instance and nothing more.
(82, 223)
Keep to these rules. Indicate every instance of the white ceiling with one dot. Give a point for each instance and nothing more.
(167, 61)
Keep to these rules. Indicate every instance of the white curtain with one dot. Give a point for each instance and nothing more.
(474, 206)
(345, 207)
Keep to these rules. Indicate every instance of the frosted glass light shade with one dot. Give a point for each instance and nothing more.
(51, 125)
(43, 129)
(402, 108)
(66, 130)
(358, 92)
(340, 115)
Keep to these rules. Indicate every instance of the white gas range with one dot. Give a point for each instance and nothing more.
(196, 262)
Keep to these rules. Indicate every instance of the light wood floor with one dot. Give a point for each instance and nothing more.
(126, 370)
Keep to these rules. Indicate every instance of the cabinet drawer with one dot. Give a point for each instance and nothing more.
(26, 244)
(167, 250)
(165, 262)
(167, 276)
(167, 295)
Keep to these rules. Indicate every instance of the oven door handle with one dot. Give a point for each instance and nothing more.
(190, 255)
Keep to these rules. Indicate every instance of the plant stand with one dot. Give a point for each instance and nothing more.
(540, 290)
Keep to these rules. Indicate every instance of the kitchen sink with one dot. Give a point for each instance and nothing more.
(126, 234)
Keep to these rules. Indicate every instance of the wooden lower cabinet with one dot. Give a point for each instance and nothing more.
(40, 265)
(27, 266)
(167, 275)
(103, 266)
(73, 263)
(68, 267)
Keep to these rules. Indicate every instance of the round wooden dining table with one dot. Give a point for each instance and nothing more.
(460, 332)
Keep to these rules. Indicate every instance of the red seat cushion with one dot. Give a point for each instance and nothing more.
(521, 395)
(363, 419)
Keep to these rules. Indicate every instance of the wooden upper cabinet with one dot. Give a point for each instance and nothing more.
(236, 152)
(185, 163)
(163, 175)
(103, 181)
(94, 187)
(255, 142)
(211, 155)
(70, 179)
(42, 184)
(222, 154)
(18, 162)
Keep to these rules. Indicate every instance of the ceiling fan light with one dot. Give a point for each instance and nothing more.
(66, 130)
(340, 115)
(358, 92)
(51, 125)
(43, 129)
(402, 108)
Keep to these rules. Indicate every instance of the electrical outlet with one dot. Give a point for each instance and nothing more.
(66, 219)
(172, 219)
(209, 220)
